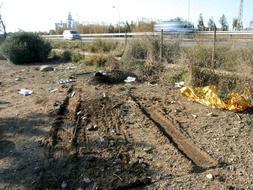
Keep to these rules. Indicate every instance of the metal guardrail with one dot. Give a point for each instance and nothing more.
(138, 34)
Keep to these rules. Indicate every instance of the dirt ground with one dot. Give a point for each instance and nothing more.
(121, 136)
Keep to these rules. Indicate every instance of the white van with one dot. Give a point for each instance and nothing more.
(71, 35)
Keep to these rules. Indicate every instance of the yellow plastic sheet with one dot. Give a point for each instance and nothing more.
(208, 96)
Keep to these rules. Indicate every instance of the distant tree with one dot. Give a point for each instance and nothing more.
(224, 23)
(111, 29)
(201, 25)
(2, 24)
(176, 19)
(128, 27)
(211, 24)
(235, 23)
(144, 26)
(52, 32)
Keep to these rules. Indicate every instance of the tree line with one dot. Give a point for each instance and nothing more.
(141, 26)
(211, 25)
(148, 26)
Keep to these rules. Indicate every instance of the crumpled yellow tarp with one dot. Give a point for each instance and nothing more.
(208, 96)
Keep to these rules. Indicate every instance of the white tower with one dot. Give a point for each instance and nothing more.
(70, 20)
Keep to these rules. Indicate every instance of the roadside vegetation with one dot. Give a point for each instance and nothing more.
(231, 68)
(141, 26)
(25, 47)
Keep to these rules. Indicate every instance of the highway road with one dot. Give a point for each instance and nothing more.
(234, 38)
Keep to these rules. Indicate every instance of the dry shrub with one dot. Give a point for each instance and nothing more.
(69, 45)
(176, 74)
(171, 51)
(232, 68)
(152, 70)
(135, 50)
(113, 63)
(102, 46)
(142, 56)
(101, 60)
(77, 57)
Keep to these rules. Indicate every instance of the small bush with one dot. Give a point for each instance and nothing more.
(77, 57)
(171, 51)
(102, 46)
(97, 60)
(135, 50)
(69, 45)
(174, 75)
(66, 56)
(25, 47)
(148, 48)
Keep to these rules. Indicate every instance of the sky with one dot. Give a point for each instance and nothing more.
(40, 15)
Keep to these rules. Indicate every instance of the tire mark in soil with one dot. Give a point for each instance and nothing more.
(60, 115)
(200, 159)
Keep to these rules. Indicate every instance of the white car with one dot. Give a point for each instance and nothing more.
(71, 35)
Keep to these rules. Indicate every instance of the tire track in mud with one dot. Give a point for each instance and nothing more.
(170, 128)
(75, 147)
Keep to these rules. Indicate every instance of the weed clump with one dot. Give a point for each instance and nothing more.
(102, 46)
(23, 47)
(66, 56)
(97, 60)
(77, 57)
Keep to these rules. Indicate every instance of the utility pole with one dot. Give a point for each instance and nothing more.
(214, 46)
(161, 46)
(240, 16)
(117, 7)
(189, 9)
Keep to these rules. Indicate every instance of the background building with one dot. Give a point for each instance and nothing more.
(69, 24)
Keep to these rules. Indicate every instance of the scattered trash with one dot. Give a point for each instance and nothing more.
(51, 90)
(86, 180)
(194, 116)
(4, 104)
(46, 68)
(63, 185)
(66, 81)
(177, 111)
(57, 105)
(25, 92)
(209, 176)
(208, 96)
(114, 77)
(79, 113)
(104, 95)
(101, 139)
(93, 128)
(148, 149)
(152, 84)
(212, 114)
(18, 79)
(130, 79)
(179, 84)
(73, 94)
(71, 68)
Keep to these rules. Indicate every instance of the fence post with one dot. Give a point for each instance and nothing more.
(125, 39)
(161, 46)
(214, 44)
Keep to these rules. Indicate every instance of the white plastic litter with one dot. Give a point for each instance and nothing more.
(130, 79)
(51, 90)
(209, 176)
(25, 92)
(18, 79)
(66, 81)
(179, 84)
